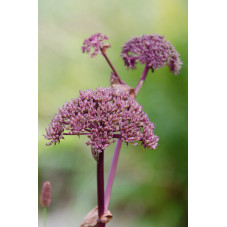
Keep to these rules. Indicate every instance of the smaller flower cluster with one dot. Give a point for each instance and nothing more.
(152, 50)
(104, 115)
(95, 42)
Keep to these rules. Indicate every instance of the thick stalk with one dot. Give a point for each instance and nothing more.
(100, 187)
(112, 173)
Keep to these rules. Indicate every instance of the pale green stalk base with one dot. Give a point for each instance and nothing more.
(44, 216)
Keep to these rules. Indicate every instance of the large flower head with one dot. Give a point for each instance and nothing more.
(93, 45)
(103, 115)
(152, 50)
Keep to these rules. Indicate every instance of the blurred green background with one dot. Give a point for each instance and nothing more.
(150, 188)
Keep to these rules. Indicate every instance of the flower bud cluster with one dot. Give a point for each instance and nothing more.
(152, 50)
(95, 43)
(104, 115)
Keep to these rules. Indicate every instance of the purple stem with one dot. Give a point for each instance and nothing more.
(119, 142)
(76, 134)
(142, 79)
(112, 174)
(111, 66)
(100, 187)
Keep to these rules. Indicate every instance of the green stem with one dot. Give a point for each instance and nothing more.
(44, 216)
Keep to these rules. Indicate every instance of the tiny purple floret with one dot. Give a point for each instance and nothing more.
(95, 42)
(152, 50)
(104, 115)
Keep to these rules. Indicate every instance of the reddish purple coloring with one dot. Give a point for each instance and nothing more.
(103, 115)
(152, 50)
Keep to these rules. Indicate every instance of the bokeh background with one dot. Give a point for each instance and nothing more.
(150, 188)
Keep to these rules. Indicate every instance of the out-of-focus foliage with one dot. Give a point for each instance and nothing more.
(150, 187)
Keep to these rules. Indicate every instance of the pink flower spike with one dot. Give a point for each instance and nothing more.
(45, 198)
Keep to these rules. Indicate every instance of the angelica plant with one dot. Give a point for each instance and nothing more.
(109, 115)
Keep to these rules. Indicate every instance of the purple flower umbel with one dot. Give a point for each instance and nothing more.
(95, 42)
(103, 115)
(152, 50)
